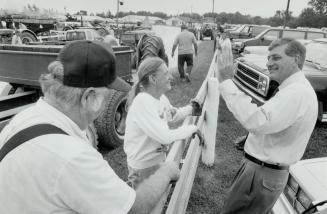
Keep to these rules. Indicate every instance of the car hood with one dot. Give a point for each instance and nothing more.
(311, 175)
(259, 62)
(240, 40)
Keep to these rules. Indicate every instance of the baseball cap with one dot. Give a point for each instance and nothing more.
(90, 64)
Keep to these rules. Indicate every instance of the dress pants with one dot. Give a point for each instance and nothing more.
(255, 189)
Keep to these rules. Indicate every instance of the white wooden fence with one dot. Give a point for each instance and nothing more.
(208, 94)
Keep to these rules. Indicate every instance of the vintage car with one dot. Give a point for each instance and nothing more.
(306, 189)
(252, 75)
(269, 35)
(247, 31)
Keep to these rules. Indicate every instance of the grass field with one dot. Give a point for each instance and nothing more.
(211, 184)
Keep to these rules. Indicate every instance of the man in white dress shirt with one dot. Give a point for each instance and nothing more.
(279, 130)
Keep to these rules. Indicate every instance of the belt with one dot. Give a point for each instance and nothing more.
(261, 163)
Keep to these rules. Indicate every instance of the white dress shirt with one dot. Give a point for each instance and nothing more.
(57, 173)
(147, 130)
(281, 128)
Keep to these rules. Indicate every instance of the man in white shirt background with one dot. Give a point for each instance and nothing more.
(279, 130)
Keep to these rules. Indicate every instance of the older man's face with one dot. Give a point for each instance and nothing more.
(280, 65)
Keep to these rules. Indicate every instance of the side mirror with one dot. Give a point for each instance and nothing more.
(262, 39)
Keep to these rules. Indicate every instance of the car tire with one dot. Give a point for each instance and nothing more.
(110, 125)
(27, 38)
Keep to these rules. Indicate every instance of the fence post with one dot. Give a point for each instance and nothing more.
(210, 124)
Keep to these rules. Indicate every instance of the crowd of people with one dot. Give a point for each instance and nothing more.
(49, 166)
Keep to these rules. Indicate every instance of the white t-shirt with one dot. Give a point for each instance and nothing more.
(58, 173)
(281, 128)
(147, 130)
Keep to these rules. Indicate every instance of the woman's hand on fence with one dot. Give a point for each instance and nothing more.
(196, 107)
(200, 136)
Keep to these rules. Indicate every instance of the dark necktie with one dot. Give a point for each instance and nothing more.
(275, 92)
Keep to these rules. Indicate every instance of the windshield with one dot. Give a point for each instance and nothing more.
(317, 53)
(259, 35)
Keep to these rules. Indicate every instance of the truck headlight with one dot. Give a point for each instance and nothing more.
(262, 84)
(298, 199)
(303, 198)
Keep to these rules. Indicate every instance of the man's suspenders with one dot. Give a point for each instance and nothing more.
(28, 134)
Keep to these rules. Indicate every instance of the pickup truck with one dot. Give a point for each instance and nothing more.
(247, 31)
(252, 75)
(21, 67)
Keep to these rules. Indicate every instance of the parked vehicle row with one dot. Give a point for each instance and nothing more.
(270, 34)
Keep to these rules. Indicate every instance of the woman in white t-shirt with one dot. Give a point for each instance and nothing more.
(147, 131)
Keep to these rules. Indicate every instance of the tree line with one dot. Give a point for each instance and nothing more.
(315, 15)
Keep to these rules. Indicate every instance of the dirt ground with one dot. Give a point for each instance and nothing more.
(211, 184)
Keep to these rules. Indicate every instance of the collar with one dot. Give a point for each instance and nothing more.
(59, 119)
(291, 79)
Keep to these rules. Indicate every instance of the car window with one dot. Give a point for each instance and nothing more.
(317, 52)
(245, 29)
(75, 36)
(293, 34)
(314, 35)
(89, 35)
(271, 35)
(258, 29)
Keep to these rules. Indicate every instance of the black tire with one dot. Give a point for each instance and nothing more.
(110, 125)
(67, 28)
(27, 38)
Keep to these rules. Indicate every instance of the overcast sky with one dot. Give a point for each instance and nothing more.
(263, 8)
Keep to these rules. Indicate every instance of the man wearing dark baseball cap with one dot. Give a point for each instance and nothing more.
(48, 163)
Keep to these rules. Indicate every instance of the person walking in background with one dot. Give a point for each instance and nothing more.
(147, 131)
(279, 130)
(16, 40)
(224, 46)
(185, 42)
(150, 46)
(59, 171)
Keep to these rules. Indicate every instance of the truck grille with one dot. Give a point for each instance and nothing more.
(248, 71)
(250, 78)
(246, 78)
